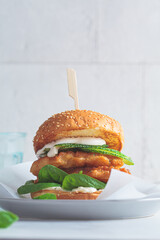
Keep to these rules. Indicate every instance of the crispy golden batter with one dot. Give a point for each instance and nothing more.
(71, 159)
(101, 173)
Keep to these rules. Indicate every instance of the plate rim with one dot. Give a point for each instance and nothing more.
(80, 201)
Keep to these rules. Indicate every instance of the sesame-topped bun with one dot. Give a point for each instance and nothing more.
(80, 123)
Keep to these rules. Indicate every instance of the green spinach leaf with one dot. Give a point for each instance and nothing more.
(81, 180)
(51, 173)
(46, 196)
(34, 187)
(29, 182)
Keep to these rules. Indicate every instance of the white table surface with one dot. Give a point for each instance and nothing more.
(142, 228)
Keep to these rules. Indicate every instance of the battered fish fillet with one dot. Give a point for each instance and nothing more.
(101, 173)
(69, 159)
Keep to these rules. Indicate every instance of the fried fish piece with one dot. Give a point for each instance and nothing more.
(69, 159)
(101, 173)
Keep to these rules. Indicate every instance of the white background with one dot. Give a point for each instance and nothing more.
(114, 45)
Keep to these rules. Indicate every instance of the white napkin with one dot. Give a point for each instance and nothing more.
(125, 186)
(11, 178)
(120, 185)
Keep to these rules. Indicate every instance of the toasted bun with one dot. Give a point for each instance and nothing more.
(80, 123)
(68, 195)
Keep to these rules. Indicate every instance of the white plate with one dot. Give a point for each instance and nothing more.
(81, 209)
(15, 176)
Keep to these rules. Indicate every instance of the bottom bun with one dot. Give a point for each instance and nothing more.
(68, 195)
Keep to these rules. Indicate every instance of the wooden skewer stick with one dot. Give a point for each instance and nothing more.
(72, 86)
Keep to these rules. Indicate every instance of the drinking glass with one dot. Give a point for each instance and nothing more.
(11, 148)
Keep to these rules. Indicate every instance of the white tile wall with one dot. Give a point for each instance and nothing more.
(151, 126)
(115, 48)
(129, 31)
(47, 30)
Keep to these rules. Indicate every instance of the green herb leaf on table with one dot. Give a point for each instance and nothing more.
(34, 187)
(76, 180)
(51, 173)
(7, 218)
(46, 196)
(102, 149)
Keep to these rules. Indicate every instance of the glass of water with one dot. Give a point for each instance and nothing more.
(11, 148)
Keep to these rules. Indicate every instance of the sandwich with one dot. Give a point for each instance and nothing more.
(76, 151)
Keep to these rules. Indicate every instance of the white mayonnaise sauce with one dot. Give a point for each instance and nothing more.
(79, 189)
(79, 140)
(85, 189)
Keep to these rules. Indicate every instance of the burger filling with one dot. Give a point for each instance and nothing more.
(51, 149)
(75, 165)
